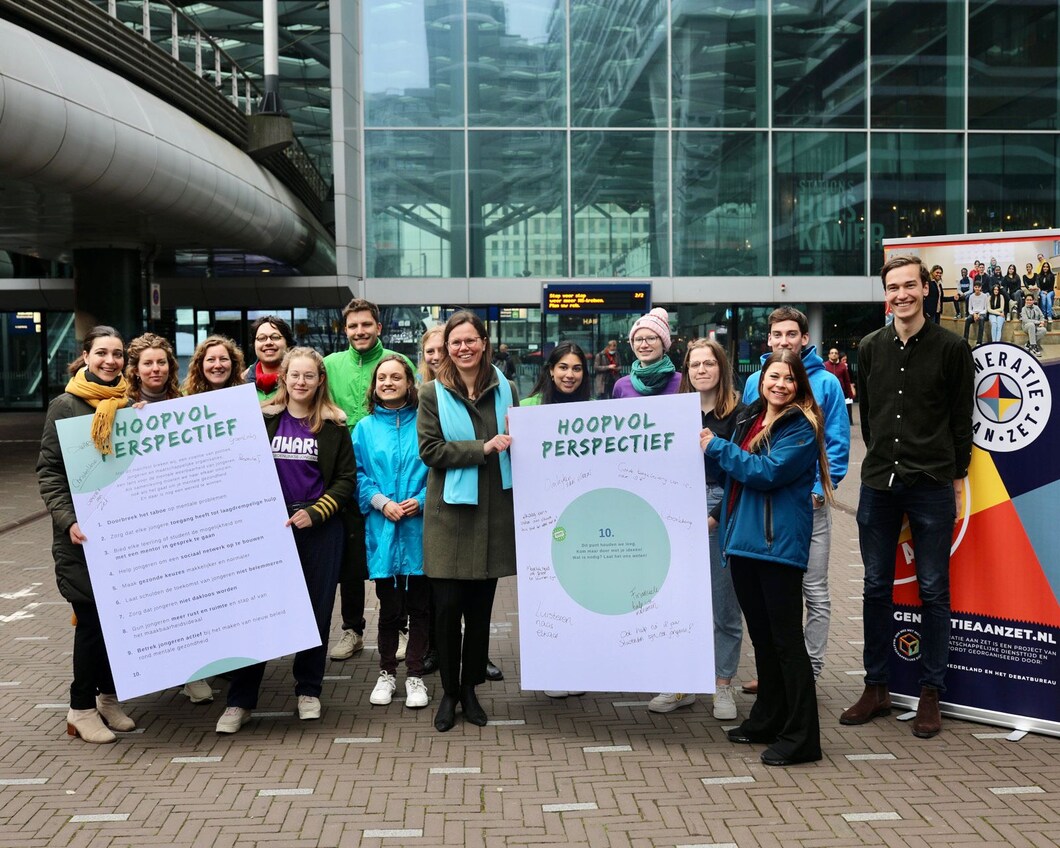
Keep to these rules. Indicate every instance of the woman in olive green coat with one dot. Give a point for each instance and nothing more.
(469, 518)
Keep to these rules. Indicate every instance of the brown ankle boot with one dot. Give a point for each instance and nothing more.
(874, 701)
(928, 721)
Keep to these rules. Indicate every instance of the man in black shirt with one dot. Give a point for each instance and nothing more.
(915, 394)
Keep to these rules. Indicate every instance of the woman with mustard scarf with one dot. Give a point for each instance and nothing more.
(97, 388)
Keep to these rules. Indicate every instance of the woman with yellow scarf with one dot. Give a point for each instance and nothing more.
(97, 388)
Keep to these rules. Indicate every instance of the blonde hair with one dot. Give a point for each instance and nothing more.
(425, 371)
(321, 407)
(137, 347)
(195, 382)
(727, 398)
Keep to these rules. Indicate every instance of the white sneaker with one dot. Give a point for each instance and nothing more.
(724, 703)
(232, 719)
(416, 695)
(403, 645)
(308, 707)
(199, 691)
(667, 702)
(384, 689)
(350, 643)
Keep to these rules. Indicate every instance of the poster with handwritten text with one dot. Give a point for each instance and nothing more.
(193, 570)
(611, 543)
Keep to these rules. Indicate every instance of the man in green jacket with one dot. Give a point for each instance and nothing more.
(349, 373)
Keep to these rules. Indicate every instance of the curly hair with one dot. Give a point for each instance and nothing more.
(195, 382)
(137, 347)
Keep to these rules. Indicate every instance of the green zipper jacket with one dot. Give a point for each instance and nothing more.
(349, 374)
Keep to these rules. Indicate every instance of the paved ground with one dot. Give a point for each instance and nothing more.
(593, 770)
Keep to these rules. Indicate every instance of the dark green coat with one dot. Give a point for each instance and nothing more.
(465, 542)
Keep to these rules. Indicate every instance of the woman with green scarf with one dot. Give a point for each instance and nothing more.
(96, 388)
(653, 373)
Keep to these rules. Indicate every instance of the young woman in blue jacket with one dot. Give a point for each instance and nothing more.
(768, 469)
(391, 488)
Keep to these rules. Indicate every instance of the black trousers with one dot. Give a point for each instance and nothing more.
(354, 571)
(770, 596)
(92, 675)
(403, 599)
(472, 602)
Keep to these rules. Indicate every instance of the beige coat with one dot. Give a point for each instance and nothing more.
(463, 542)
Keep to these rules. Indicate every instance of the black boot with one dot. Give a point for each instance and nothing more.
(493, 672)
(473, 711)
(430, 662)
(445, 718)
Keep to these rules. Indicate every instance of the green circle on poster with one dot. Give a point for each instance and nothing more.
(614, 553)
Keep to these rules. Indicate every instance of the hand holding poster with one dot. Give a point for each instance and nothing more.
(193, 570)
(611, 541)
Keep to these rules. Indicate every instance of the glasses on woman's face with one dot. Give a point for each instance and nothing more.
(275, 337)
(471, 344)
(640, 341)
(703, 365)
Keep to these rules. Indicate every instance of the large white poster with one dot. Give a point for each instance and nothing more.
(611, 541)
(192, 568)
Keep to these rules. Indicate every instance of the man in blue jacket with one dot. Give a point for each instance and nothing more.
(789, 330)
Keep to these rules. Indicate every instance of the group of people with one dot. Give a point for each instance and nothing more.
(405, 478)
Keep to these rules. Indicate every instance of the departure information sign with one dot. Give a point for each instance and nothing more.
(596, 297)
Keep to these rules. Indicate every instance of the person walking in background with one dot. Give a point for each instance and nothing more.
(837, 366)
(915, 397)
(605, 370)
(96, 388)
(272, 339)
(775, 459)
(933, 303)
(653, 373)
(469, 520)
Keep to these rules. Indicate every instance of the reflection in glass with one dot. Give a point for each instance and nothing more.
(1012, 66)
(819, 203)
(618, 63)
(415, 203)
(515, 63)
(517, 186)
(918, 64)
(819, 63)
(719, 64)
(620, 200)
(721, 208)
(917, 184)
(1012, 182)
(413, 63)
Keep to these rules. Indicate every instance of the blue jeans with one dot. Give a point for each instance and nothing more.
(931, 512)
(728, 624)
(1047, 304)
(997, 326)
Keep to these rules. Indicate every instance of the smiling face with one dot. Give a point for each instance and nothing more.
(434, 350)
(786, 335)
(778, 386)
(466, 347)
(391, 384)
(302, 379)
(647, 346)
(704, 372)
(153, 369)
(105, 359)
(269, 346)
(217, 366)
(568, 374)
(904, 291)
(362, 330)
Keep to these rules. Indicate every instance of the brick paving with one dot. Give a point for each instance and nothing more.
(366, 775)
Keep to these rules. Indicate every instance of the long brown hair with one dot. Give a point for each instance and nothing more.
(150, 341)
(195, 381)
(805, 402)
(321, 408)
(100, 331)
(726, 398)
(447, 374)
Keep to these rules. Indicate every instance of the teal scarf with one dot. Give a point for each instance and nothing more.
(461, 484)
(651, 379)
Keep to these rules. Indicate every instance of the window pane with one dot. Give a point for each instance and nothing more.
(1012, 73)
(719, 64)
(518, 185)
(620, 198)
(413, 63)
(819, 63)
(618, 63)
(819, 206)
(1012, 182)
(415, 201)
(515, 64)
(917, 186)
(721, 209)
(918, 63)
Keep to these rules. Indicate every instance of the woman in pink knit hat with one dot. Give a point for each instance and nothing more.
(653, 373)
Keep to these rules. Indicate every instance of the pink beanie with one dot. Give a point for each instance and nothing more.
(658, 322)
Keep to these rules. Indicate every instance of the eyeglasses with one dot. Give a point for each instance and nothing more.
(646, 340)
(275, 337)
(705, 365)
(456, 344)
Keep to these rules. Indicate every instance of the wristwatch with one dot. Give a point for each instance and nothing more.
(818, 500)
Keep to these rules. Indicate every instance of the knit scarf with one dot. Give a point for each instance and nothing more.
(651, 379)
(266, 383)
(106, 400)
